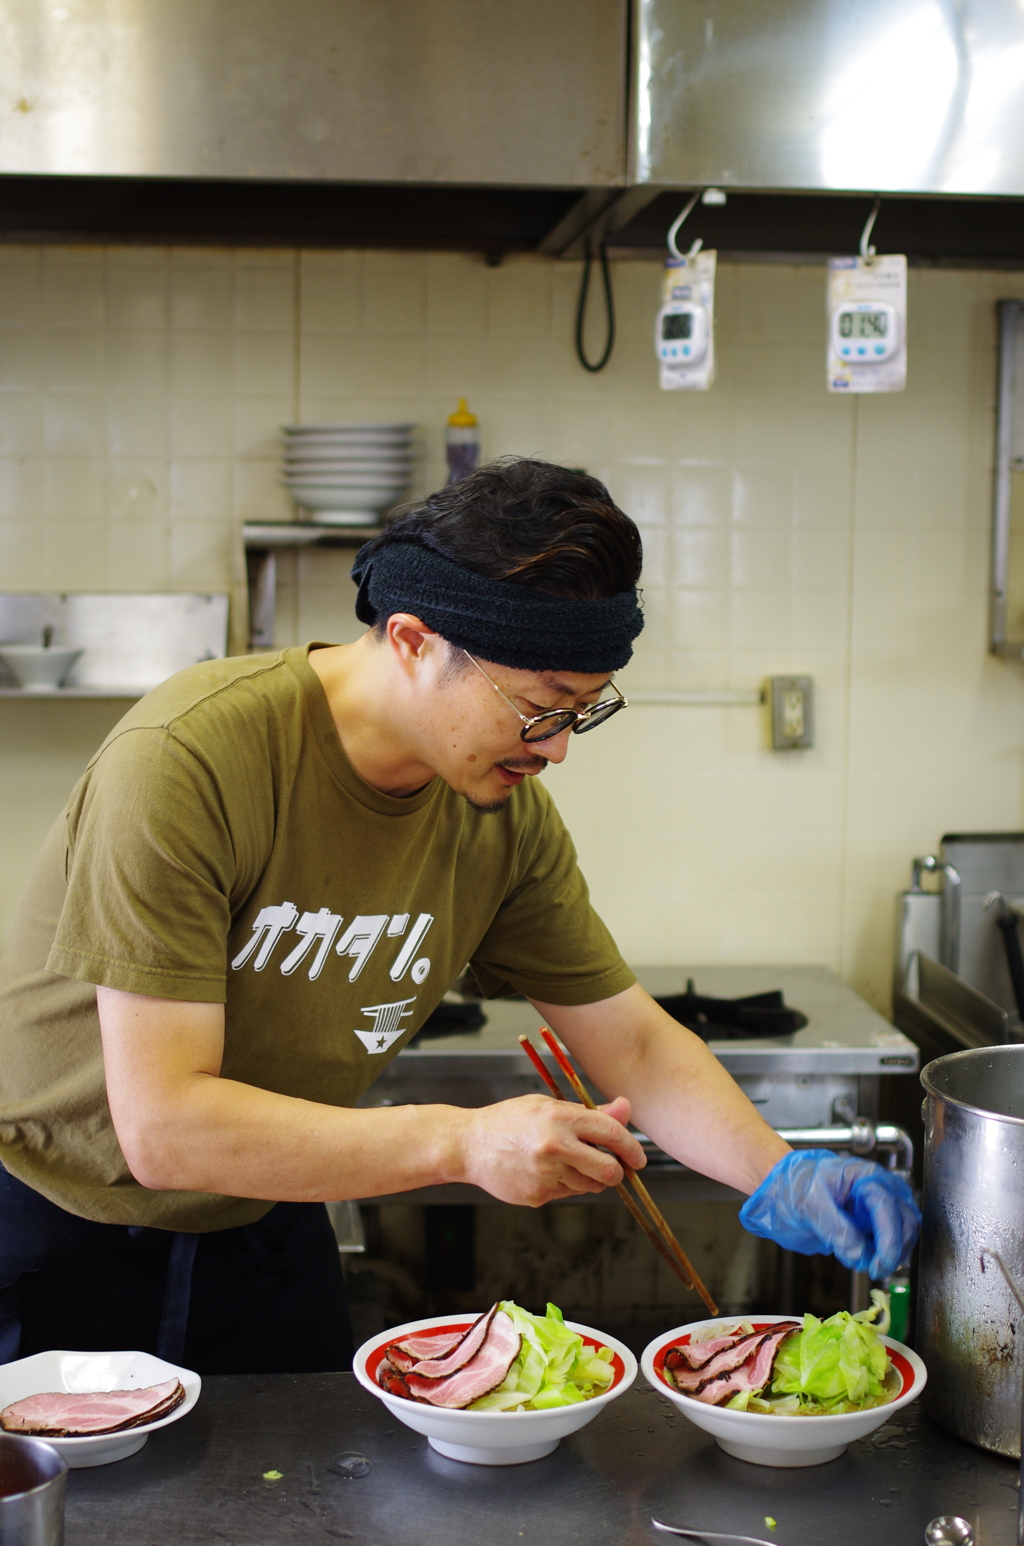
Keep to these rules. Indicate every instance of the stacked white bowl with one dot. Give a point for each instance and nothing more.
(347, 474)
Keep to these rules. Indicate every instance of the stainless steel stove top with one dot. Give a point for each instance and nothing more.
(818, 1080)
(844, 1035)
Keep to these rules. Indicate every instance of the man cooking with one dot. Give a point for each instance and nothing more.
(267, 878)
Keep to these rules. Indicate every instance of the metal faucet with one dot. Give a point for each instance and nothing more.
(949, 940)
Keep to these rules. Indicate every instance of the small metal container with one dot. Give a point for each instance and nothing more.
(969, 1330)
(32, 1477)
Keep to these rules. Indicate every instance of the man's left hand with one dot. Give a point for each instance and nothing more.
(814, 1201)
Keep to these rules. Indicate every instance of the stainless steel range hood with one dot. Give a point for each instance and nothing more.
(490, 92)
(510, 125)
(908, 96)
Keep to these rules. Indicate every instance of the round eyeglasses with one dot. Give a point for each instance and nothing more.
(541, 727)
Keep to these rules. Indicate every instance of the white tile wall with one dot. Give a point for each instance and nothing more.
(785, 531)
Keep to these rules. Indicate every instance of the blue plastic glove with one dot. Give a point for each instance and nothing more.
(815, 1201)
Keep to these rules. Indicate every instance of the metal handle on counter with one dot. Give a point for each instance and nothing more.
(861, 1136)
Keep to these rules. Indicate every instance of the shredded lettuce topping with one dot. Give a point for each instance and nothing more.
(555, 1367)
(837, 1365)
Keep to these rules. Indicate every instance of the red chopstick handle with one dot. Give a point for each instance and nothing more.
(566, 1067)
(539, 1065)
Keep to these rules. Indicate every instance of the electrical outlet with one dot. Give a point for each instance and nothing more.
(792, 703)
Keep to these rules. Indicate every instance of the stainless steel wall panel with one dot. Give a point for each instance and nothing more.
(464, 91)
(986, 862)
(130, 642)
(916, 96)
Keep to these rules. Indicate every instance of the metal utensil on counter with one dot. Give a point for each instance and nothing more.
(1011, 1284)
(711, 1535)
(949, 1530)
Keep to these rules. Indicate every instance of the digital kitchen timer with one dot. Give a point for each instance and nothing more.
(681, 333)
(865, 332)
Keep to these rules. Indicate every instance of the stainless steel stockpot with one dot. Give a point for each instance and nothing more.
(969, 1328)
(32, 1477)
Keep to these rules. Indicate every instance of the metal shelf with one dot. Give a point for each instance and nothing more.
(262, 540)
(74, 692)
(305, 534)
(127, 641)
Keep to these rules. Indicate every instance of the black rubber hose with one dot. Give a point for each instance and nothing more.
(581, 311)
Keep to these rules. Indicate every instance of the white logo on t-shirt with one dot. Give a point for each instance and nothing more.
(320, 928)
(317, 932)
(311, 927)
(387, 1024)
(271, 923)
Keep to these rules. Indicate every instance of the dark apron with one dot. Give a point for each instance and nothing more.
(266, 1298)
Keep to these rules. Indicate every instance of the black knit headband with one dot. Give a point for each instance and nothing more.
(507, 623)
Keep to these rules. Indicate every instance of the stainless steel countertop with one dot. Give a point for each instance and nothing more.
(200, 1481)
(844, 1035)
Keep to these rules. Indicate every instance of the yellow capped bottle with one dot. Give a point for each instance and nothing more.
(462, 440)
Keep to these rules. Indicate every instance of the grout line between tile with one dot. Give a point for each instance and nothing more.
(851, 561)
(297, 337)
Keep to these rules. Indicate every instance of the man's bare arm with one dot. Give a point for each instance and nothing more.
(182, 1127)
(680, 1094)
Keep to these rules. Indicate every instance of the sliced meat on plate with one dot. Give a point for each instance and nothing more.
(440, 1368)
(64, 1415)
(693, 1380)
(484, 1372)
(389, 1379)
(410, 1350)
(697, 1354)
(753, 1375)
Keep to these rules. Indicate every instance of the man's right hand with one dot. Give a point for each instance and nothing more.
(184, 1127)
(534, 1150)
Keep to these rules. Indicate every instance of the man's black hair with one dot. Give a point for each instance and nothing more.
(549, 528)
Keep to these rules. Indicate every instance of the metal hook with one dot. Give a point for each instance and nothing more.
(866, 252)
(706, 196)
(674, 227)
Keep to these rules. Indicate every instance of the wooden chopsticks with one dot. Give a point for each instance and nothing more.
(658, 1231)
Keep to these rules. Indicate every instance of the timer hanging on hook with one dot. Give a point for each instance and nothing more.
(867, 312)
(684, 334)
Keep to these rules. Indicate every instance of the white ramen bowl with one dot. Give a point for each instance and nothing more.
(80, 1372)
(308, 466)
(490, 1438)
(384, 482)
(36, 669)
(377, 427)
(779, 1441)
(383, 439)
(344, 506)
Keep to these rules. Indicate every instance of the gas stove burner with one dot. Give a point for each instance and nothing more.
(733, 1019)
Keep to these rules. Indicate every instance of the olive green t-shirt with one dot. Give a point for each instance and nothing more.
(220, 847)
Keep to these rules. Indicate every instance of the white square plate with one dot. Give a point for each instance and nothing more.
(80, 1372)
